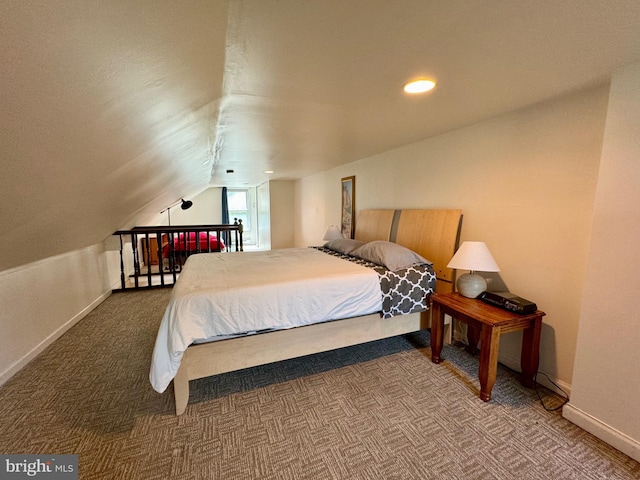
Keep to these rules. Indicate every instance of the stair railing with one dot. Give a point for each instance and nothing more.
(159, 252)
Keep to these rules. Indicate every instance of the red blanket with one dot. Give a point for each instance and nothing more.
(180, 245)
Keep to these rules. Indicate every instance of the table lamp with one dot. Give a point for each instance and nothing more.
(475, 257)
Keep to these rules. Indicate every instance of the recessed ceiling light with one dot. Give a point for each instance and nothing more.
(419, 86)
(268, 171)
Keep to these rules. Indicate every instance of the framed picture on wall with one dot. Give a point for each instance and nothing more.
(348, 207)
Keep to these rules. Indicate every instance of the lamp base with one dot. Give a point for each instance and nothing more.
(471, 285)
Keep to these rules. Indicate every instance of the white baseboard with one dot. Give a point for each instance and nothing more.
(604, 432)
(514, 364)
(19, 364)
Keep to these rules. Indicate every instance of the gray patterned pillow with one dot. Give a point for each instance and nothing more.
(391, 255)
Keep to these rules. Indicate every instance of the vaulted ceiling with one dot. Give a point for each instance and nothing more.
(112, 110)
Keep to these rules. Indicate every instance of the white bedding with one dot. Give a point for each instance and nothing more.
(239, 292)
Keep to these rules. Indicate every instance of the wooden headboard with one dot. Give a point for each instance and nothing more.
(434, 234)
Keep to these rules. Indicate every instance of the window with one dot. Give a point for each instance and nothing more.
(241, 205)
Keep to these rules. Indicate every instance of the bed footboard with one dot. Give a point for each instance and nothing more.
(204, 360)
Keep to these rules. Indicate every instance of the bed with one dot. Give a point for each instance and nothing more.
(185, 244)
(203, 348)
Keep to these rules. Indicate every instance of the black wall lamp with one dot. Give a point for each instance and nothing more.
(185, 205)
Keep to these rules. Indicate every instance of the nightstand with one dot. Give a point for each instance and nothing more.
(486, 323)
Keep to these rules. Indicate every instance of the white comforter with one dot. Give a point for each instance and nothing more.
(240, 292)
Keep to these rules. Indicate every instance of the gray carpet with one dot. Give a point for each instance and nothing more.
(376, 411)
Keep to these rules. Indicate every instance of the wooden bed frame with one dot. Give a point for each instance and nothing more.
(433, 234)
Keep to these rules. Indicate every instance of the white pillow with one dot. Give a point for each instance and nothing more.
(391, 255)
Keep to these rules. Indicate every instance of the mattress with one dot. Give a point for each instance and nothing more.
(220, 296)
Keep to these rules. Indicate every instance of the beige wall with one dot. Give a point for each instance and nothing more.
(526, 184)
(276, 214)
(314, 199)
(281, 196)
(206, 209)
(605, 380)
(42, 300)
(264, 216)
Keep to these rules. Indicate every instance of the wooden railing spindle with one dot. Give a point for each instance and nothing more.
(177, 241)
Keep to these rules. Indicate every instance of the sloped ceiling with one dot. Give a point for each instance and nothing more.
(113, 110)
(108, 109)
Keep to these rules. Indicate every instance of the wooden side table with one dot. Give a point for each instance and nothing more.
(486, 323)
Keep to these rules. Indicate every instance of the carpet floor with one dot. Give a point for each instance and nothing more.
(380, 410)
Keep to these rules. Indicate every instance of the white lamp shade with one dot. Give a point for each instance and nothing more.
(331, 233)
(474, 256)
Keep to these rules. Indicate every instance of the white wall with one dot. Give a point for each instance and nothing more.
(281, 196)
(276, 214)
(264, 216)
(317, 205)
(526, 184)
(206, 209)
(42, 300)
(605, 380)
